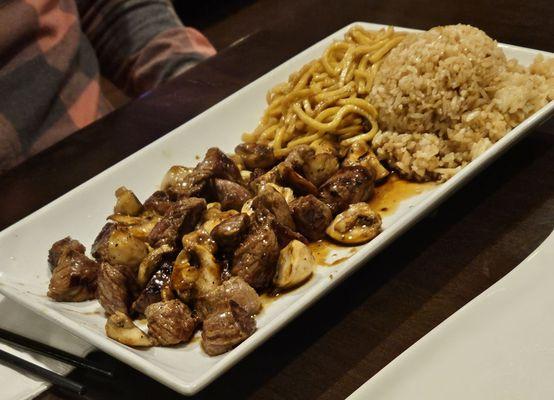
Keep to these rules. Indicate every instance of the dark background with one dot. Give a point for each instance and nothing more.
(203, 14)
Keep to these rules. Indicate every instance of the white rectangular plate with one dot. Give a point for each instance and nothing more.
(81, 213)
(498, 346)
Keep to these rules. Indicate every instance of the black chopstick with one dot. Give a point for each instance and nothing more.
(52, 352)
(52, 377)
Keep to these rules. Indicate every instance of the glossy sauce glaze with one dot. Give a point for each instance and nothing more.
(323, 248)
(390, 194)
(273, 294)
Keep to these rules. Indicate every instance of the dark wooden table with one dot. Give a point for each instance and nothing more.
(470, 242)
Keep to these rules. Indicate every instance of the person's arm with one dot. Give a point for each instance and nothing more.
(140, 43)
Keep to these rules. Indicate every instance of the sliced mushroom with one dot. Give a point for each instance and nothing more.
(116, 245)
(195, 273)
(285, 173)
(296, 264)
(287, 192)
(156, 289)
(213, 216)
(320, 167)
(141, 226)
(210, 271)
(175, 176)
(212, 209)
(142, 230)
(357, 225)
(359, 153)
(127, 203)
(238, 161)
(167, 293)
(380, 171)
(184, 276)
(124, 219)
(121, 328)
(151, 262)
(125, 249)
(201, 238)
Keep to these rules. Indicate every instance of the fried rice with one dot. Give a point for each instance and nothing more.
(446, 95)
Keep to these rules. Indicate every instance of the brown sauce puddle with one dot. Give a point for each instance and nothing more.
(269, 297)
(390, 194)
(273, 294)
(322, 248)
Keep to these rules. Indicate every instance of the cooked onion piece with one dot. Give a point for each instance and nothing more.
(296, 264)
(150, 263)
(357, 225)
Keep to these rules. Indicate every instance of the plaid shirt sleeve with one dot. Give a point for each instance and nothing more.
(51, 52)
(140, 43)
